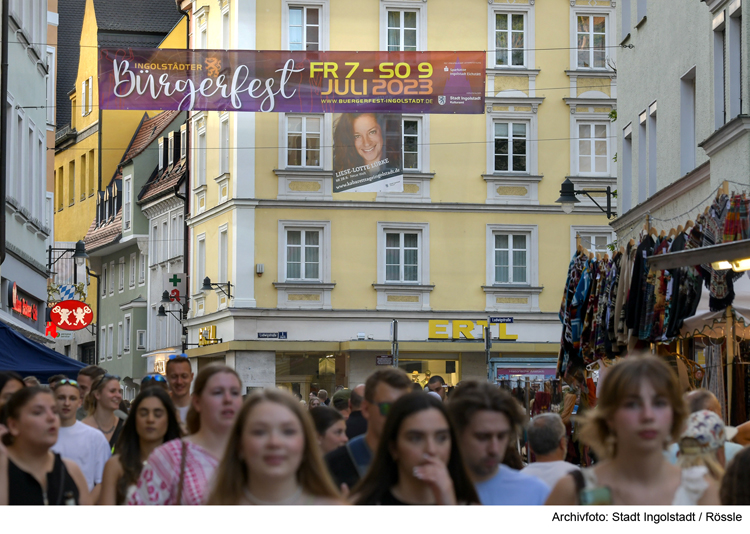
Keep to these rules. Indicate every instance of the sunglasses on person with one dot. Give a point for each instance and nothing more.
(66, 382)
(105, 378)
(154, 377)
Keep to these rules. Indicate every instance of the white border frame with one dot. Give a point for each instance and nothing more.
(424, 250)
(611, 51)
(591, 230)
(529, 34)
(533, 252)
(325, 17)
(419, 7)
(589, 117)
(532, 161)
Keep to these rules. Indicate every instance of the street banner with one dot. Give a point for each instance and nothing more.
(282, 81)
(367, 153)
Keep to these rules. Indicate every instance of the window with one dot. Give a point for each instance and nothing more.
(509, 39)
(642, 8)
(402, 257)
(625, 19)
(91, 94)
(720, 67)
(303, 140)
(164, 243)
(224, 145)
(643, 184)
(131, 283)
(110, 340)
(511, 258)
(121, 274)
(203, 34)
(91, 172)
(112, 278)
(82, 178)
(223, 255)
(71, 182)
(402, 30)
(119, 340)
(104, 280)
(87, 95)
(591, 41)
(174, 241)
(103, 343)
(593, 148)
(303, 254)
(225, 28)
(126, 208)
(627, 167)
(734, 60)
(84, 85)
(154, 245)
(511, 146)
(594, 238)
(411, 144)
(161, 153)
(653, 154)
(51, 85)
(183, 142)
(140, 340)
(170, 149)
(200, 269)
(687, 122)
(128, 332)
(142, 269)
(201, 159)
(304, 28)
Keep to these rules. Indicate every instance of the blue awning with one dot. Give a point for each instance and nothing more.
(29, 358)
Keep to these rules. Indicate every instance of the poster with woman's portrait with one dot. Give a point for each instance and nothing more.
(367, 153)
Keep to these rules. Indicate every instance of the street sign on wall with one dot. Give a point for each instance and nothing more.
(71, 315)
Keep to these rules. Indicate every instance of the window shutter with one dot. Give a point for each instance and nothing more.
(91, 92)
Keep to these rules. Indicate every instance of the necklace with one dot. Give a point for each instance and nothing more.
(105, 431)
(289, 500)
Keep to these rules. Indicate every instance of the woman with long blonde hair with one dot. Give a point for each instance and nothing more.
(272, 456)
(101, 403)
(640, 411)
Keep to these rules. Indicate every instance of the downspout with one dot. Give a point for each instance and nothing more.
(185, 205)
(3, 125)
(98, 308)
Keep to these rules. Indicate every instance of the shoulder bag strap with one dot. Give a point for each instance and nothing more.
(183, 461)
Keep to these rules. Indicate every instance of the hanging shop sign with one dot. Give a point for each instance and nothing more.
(175, 284)
(458, 329)
(384, 360)
(20, 305)
(71, 315)
(282, 81)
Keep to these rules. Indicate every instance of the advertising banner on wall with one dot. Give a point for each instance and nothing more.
(367, 152)
(282, 81)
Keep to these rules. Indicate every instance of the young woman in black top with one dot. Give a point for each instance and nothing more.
(29, 472)
(418, 460)
(101, 403)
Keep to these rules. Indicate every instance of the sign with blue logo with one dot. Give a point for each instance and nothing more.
(272, 335)
(501, 320)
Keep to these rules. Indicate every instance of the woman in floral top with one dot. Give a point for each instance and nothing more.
(180, 471)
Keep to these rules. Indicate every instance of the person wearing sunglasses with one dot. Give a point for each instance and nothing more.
(86, 446)
(348, 464)
(101, 403)
(151, 423)
(154, 379)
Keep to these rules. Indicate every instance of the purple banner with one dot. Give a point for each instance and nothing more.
(279, 81)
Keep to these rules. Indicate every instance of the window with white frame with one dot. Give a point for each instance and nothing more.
(141, 269)
(126, 215)
(84, 92)
(412, 127)
(511, 146)
(593, 148)
(131, 279)
(104, 280)
(112, 278)
(303, 247)
(174, 241)
(154, 244)
(591, 41)
(402, 30)
(91, 94)
(121, 274)
(103, 343)
(119, 340)
(402, 251)
(304, 27)
(225, 28)
(303, 140)
(203, 33)
(170, 149)
(127, 333)
(51, 65)
(161, 153)
(183, 142)
(511, 258)
(223, 254)
(140, 340)
(164, 243)
(200, 155)
(510, 39)
(110, 340)
(200, 260)
(224, 145)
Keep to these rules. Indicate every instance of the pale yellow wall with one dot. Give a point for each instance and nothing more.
(211, 229)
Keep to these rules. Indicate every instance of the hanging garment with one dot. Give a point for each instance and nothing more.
(739, 394)
(638, 283)
(623, 290)
(670, 313)
(715, 376)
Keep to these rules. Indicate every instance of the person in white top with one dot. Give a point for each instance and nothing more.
(180, 378)
(84, 445)
(547, 439)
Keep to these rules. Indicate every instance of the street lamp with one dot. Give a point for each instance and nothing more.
(568, 198)
(217, 286)
(79, 256)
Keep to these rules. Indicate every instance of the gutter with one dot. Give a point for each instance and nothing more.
(3, 123)
(186, 179)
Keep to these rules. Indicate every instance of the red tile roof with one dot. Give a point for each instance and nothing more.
(161, 183)
(105, 234)
(150, 129)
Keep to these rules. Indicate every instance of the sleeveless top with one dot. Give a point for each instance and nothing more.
(25, 489)
(692, 484)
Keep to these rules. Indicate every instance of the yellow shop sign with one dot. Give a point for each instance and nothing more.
(462, 329)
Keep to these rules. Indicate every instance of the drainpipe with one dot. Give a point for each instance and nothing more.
(185, 201)
(98, 308)
(3, 124)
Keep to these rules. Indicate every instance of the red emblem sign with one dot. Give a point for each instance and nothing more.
(71, 315)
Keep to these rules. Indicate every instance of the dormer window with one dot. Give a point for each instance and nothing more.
(161, 151)
(107, 196)
(170, 153)
(183, 141)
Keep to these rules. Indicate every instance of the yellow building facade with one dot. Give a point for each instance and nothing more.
(89, 148)
(317, 278)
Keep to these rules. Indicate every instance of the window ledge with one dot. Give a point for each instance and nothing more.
(304, 183)
(222, 177)
(511, 176)
(304, 285)
(304, 295)
(512, 288)
(727, 134)
(399, 296)
(200, 189)
(512, 298)
(425, 288)
(512, 70)
(625, 39)
(641, 22)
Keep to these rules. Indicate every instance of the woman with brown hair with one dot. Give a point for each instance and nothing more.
(100, 403)
(640, 410)
(272, 456)
(179, 471)
(30, 473)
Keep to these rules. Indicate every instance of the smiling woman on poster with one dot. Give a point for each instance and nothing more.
(367, 151)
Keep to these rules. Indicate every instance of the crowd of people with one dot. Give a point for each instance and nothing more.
(189, 439)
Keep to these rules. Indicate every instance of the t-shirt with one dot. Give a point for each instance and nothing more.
(183, 410)
(730, 449)
(549, 472)
(87, 447)
(512, 487)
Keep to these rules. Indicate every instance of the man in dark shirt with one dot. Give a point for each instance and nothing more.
(349, 463)
(356, 424)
